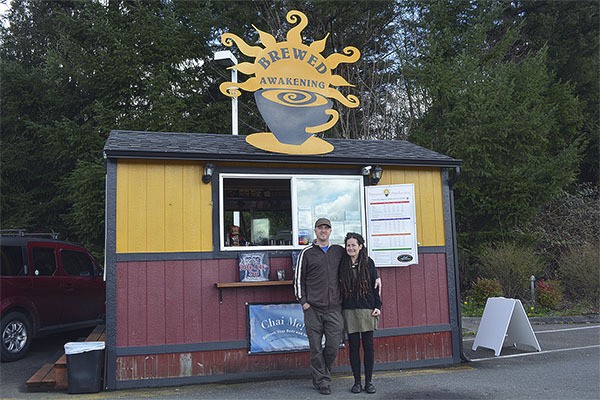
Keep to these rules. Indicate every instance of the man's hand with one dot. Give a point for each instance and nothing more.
(305, 306)
(378, 285)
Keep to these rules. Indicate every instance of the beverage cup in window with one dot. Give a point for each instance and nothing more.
(281, 274)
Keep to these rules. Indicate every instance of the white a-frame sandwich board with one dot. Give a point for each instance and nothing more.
(504, 320)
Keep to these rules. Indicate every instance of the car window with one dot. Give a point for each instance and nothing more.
(44, 262)
(77, 263)
(11, 261)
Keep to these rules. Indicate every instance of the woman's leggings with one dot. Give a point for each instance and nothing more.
(367, 342)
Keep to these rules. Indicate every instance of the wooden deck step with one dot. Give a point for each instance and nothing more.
(42, 379)
(50, 379)
(61, 377)
(55, 376)
(97, 335)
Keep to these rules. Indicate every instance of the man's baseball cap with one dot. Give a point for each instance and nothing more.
(323, 221)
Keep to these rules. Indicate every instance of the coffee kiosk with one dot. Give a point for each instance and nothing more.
(202, 230)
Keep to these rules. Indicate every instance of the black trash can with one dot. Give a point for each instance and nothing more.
(85, 364)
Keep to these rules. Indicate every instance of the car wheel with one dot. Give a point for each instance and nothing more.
(17, 334)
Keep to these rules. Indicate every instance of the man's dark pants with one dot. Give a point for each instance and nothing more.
(318, 324)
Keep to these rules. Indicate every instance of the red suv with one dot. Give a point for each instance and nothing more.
(46, 286)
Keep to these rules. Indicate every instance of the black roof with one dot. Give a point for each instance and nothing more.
(225, 147)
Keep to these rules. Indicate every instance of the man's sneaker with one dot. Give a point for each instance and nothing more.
(356, 388)
(325, 390)
(369, 388)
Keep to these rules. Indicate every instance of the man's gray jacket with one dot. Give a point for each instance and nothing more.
(316, 279)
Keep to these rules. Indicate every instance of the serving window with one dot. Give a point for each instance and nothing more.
(269, 211)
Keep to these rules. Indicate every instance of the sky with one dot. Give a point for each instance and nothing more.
(4, 6)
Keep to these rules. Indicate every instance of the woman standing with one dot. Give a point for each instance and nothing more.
(361, 306)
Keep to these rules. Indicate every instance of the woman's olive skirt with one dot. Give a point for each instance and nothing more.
(360, 320)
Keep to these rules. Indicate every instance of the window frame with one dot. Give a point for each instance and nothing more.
(294, 205)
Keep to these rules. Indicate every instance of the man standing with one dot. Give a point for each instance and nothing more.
(316, 285)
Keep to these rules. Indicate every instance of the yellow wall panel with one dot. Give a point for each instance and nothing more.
(438, 209)
(162, 206)
(174, 207)
(136, 216)
(192, 206)
(426, 208)
(428, 200)
(155, 232)
(121, 212)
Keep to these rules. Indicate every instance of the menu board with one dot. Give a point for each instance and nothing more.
(392, 225)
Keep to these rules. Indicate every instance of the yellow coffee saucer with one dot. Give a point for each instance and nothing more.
(268, 142)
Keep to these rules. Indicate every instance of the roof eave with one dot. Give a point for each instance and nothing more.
(281, 158)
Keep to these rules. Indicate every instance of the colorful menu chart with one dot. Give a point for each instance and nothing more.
(391, 225)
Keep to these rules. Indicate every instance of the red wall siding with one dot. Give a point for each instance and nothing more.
(202, 305)
(158, 287)
(176, 302)
(387, 350)
(416, 295)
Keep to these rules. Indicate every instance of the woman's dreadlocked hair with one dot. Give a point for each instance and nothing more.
(355, 285)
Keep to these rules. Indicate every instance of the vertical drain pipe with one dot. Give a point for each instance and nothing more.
(451, 183)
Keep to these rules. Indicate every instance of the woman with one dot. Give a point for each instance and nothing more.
(361, 306)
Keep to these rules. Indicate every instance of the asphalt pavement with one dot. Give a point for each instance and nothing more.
(567, 367)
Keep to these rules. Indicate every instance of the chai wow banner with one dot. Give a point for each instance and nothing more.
(276, 328)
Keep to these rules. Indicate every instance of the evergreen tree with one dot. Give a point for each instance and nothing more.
(570, 32)
(72, 71)
(498, 109)
(501, 85)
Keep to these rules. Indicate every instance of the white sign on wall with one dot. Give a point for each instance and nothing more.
(392, 225)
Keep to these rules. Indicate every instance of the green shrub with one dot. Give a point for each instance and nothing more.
(549, 294)
(512, 265)
(579, 269)
(470, 309)
(567, 222)
(483, 289)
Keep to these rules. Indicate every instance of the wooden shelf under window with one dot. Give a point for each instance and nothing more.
(226, 285)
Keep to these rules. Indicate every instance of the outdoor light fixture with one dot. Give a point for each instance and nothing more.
(376, 174)
(209, 169)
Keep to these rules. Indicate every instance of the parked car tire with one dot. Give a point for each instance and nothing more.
(17, 333)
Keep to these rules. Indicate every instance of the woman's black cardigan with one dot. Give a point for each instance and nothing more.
(372, 299)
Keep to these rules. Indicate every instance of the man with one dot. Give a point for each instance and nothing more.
(316, 285)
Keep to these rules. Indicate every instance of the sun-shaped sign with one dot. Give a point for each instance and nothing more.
(293, 86)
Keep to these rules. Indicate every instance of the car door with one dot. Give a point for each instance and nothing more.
(85, 290)
(47, 292)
